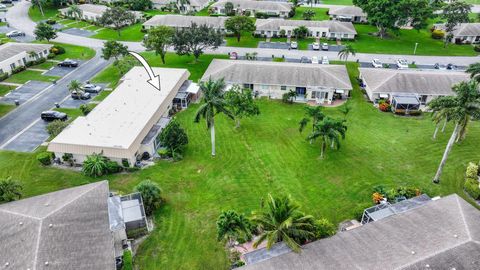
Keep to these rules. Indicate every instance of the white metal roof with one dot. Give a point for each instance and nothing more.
(124, 115)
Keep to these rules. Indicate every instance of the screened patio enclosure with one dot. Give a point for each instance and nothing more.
(386, 209)
(405, 104)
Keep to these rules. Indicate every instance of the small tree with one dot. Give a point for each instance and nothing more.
(300, 32)
(241, 103)
(151, 195)
(44, 31)
(113, 49)
(308, 14)
(117, 17)
(346, 51)
(159, 39)
(75, 86)
(324, 228)
(139, 4)
(229, 9)
(95, 165)
(329, 131)
(10, 190)
(55, 127)
(195, 39)
(231, 226)
(174, 137)
(239, 24)
(455, 13)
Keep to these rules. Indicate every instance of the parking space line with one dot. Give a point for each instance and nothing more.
(19, 134)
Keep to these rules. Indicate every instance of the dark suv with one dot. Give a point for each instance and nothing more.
(53, 115)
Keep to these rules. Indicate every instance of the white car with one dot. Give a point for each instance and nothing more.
(2, 7)
(402, 63)
(325, 60)
(324, 46)
(316, 46)
(15, 33)
(376, 63)
(314, 60)
(293, 45)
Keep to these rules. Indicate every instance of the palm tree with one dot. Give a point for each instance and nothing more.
(95, 165)
(10, 190)
(282, 221)
(474, 70)
(346, 52)
(74, 11)
(39, 3)
(75, 86)
(181, 4)
(231, 226)
(460, 109)
(315, 113)
(440, 113)
(213, 104)
(329, 131)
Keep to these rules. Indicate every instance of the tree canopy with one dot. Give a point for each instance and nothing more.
(117, 17)
(241, 103)
(195, 39)
(151, 195)
(239, 24)
(44, 31)
(113, 49)
(174, 137)
(159, 39)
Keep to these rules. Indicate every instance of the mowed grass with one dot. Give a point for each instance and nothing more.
(5, 89)
(74, 52)
(268, 155)
(49, 11)
(320, 13)
(30, 75)
(129, 33)
(5, 108)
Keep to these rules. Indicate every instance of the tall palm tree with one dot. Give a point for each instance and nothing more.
(213, 104)
(474, 70)
(282, 221)
(329, 131)
(314, 113)
(346, 52)
(440, 113)
(461, 109)
(74, 11)
(75, 86)
(39, 3)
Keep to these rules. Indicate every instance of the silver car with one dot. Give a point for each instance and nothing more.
(91, 88)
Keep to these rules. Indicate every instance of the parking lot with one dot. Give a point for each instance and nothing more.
(274, 45)
(61, 71)
(79, 32)
(24, 92)
(30, 139)
(5, 29)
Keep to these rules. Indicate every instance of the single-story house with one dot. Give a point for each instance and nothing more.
(189, 6)
(14, 55)
(311, 82)
(127, 214)
(468, 33)
(442, 233)
(181, 21)
(272, 8)
(325, 29)
(125, 126)
(66, 229)
(91, 12)
(348, 14)
(424, 84)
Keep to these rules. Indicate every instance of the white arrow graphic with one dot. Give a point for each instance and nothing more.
(154, 79)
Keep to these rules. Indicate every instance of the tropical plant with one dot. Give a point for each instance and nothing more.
(346, 51)
(159, 39)
(213, 103)
(74, 11)
(324, 228)
(474, 70)
(377, 197)
(329, 131)
(75, 86)
(10, 190)
(55, 127)
(231, 226)
(289, 96)
(300, 32)
(472, 170)
(174, 138)
(313, 113)
(151, 195)
(308, 14)
(95, 165)
(241, 103)
(461, 109)
(345, 110)
(282, 221)
(229, 9)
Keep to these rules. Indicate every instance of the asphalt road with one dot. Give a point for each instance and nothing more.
(27, 115)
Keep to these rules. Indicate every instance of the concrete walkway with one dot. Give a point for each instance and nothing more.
(18, 18)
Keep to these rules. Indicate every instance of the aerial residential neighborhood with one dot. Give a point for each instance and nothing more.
(239, 134)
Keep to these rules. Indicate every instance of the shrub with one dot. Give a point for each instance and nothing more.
(151, 195)
(324, 228)
(132, 169)
(438, 34)
(51, 22)
(476, 48)
(54, 128)
(472, 170)
(68, 158)
(247, 13)
(125, 163)
(86, 108)
(10, 190)
(174, 138)
(50, 55)
(95, 165)
(113, 167)
(384, 106)
(471, 187)
(358, 211)
(45, 158)
(18, 69)
(127, 260)
(377, 197)
(57, 50)
(3, 76)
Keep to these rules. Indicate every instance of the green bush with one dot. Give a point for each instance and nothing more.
(57, 50)
(54, 128)
(127, 260)
(324, 228)
(358, 211)
(50, 55)
(45, 158)
(95, 165)
(113, 167)
(3, 76)
(125, 163)
(18, 69)
(86, 108)
(472, 170)
(438, 34)
(151, 195)
(471, 187)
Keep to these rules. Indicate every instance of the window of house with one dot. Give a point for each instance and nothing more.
(264, 87)
(1, 71)
(283, 87)
(345, 35)
(12, 65)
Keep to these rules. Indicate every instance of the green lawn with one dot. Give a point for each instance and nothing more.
(111, 74)
(129, 33)
(30, 75)
(320, 13)
(268, 155)
(404, 43)
(74, 52)
(246, 40)
(4, 89)
(344, 2)
(102, 95)
(49, 11)
(45, 65)
(4, 109)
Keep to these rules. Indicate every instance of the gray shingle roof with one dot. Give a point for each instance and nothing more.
(185, 21)
(333, 26)
(275, 73)
(467, 29)
(256, 5)
(11, 49)
(347, 10)
(79, 236)
(411, 81)
(443, 234)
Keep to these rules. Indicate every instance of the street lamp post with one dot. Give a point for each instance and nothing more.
(415, 50)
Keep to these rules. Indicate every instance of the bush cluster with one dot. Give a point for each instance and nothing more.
(471, 185)
(18, 69)
(57, 50)
(438, 34)
(45, 158)
(3, 76)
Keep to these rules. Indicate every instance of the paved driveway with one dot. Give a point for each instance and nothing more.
(274, 45)
(78, 32)
(61, 71)
(25, 92)
(30, 139)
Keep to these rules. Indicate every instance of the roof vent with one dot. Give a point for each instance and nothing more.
(46, 263)
(50, 225)
(20, 223)
(413, 252)
(7, 264)
(455, 235)
(47, 204)
(427, 265)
